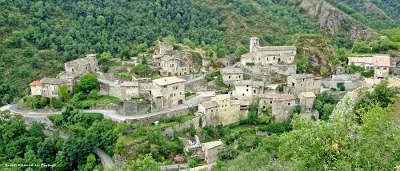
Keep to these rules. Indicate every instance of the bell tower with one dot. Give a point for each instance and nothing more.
(254, 44)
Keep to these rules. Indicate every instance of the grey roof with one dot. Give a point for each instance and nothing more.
(301, 76)
(53, 81)
(209, 104)
(278, 96)
(250, 83)
(231, 70)
(168, 81)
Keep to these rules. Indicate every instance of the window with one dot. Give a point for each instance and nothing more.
(293, 84)
(247, 89)
(288, 104)
(243, 94)
(254, 91)
(229, 77)
(270, 102)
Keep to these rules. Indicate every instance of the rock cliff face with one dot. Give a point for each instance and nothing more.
(335, 20)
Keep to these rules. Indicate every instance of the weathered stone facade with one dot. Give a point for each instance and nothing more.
(281, 105)
(82, 65)
(306, 104)
(211, 150)
(303, 83)
(174, 66)
(220, 110)
(268, 55)
(230, 74)
(168, 92)
(46, 87)
(123, 90)
(380, 63)
(248, 89)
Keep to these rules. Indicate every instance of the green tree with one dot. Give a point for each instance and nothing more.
(145, 164)
(88, 83)
(302, 64)
(90, 162)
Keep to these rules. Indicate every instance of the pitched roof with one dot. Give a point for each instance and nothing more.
(307, 94)
(212, 144)
(301, 76)
(231, 70)
(128, 83)
(53, 81)
(373, 59)
(278, 96)
(276, 48)
(168, 81)
(35, 83)
(209, 104)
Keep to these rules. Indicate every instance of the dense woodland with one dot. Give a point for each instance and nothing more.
(37, 37)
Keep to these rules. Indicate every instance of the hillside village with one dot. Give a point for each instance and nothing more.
(264, 78)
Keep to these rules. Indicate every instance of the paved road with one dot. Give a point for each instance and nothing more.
(42, 117)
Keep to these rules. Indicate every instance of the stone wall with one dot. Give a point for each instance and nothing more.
(131, 109)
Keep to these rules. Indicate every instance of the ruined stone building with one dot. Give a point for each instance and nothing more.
(46, 87)
(230, 74)
(306, 104)
(303, 83)
(248, 89)
(160, 51)
(123, 90)
(267, 55)
(281, 105)
(168, 92)
(220, 110)
(174, 66)
(211, 150)
(170, 62)
(82, 65)
(380, 63)
(76, 68)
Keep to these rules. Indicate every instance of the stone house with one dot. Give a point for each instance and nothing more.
(281, 105)
(268, 55)
(248, 89)
(46, 87)
(168, 92)
(36, 88)
(160, 51)
(174, 66)
(306, 104)
(81, 66)
(211, 150)
(220, 110)
(380, 63)
(123, 90)
(230, 74)
(303, 83)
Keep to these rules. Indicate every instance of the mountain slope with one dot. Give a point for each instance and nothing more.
(36, 37)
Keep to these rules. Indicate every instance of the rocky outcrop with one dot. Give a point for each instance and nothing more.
(335, 20)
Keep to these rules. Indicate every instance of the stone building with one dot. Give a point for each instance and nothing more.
(380, 63)
(303, 83)
(46, 87)
(81, 66)
(281, 105)
(230, 74)
(220, 110)
(174, 66)
(36, 88)
(268, 55)
(160, 51)
(211, 150)
(248, 89)
(306, 104)
(168, 92)
(123, 90)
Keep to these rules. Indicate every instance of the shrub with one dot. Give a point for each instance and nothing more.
(341, 86)
(56, 103)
